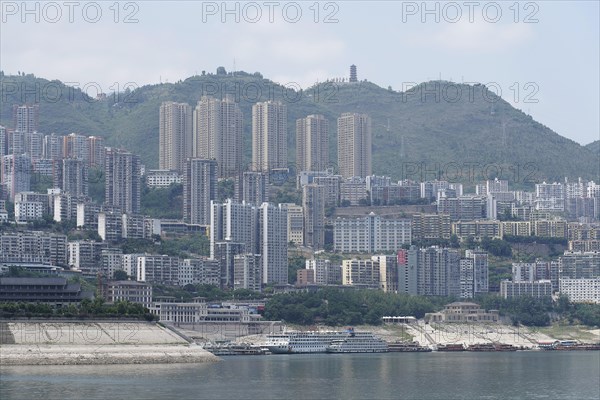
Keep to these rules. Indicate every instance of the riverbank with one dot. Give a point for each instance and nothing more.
(433, 335)
(95, 343)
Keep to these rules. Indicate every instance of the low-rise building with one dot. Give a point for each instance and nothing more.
(198, 311)
(370, 234)
(134, 292)
(477, 229)
(462, 312)
(582, 290)
(516, 228)
(162, 269)
(353, 191)
(509, 289)
(41, 290)
(26, 211)
(325, 272)
(550, 228)
(305, 277)
(161, 178)
(361, 273)
(199, 271)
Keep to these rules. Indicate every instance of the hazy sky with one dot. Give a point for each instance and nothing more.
(543, 56)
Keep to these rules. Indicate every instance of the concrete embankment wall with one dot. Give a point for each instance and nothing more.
(88, 342)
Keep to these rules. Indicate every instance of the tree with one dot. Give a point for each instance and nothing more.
(120, 275)
(225, 189)
(294, 264)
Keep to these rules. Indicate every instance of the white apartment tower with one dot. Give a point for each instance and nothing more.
(273, 243)
(122, 180)
(175, 135)
(354, 145)
(217, 134)
(312, 143)
(269, 136)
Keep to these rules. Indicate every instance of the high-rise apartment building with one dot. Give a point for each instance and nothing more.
(269, 136)
(430, 271)
(53, 147)
(388, 272)
(16, 174)
(217, 134)
(225, 253)
(273, 243)
(247, 272)
(71, 176)
(97, 152)
(473, 274)
(295, 223)
(312, 143)
(255, 187)
(354, 145)
(3, 141)
(26, 118)
(76, 146)
(122, 180)
(313, 208)
(234, 222)
(199, 189)
(175, 135)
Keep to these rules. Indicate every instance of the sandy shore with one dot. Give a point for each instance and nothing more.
(77, 343)
(105, 354)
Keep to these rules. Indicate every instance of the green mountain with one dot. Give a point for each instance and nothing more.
(594, 147)
(457, 132)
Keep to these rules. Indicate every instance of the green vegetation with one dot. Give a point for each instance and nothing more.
(86, 309)
(40, 183)
(96, 185)
(226, 189)
(536, 239)
(209, 292)
(536, 312)
(163, 203)
(294, 264)
(496, 247)
(337, 307)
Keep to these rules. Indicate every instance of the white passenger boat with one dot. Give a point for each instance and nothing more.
(347, 341)
(358, 342)
(301, 342)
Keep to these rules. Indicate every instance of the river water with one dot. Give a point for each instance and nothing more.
(422, 376)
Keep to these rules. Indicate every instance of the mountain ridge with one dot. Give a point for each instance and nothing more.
(429, 128)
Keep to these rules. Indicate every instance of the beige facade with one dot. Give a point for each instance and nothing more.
(354, 145)
(462, 312)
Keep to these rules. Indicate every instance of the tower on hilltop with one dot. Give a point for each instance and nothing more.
(353, 77)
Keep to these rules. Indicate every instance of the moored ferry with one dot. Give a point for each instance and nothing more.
(403, 347)
(358, 342)
(301, 342)
(451, 347)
